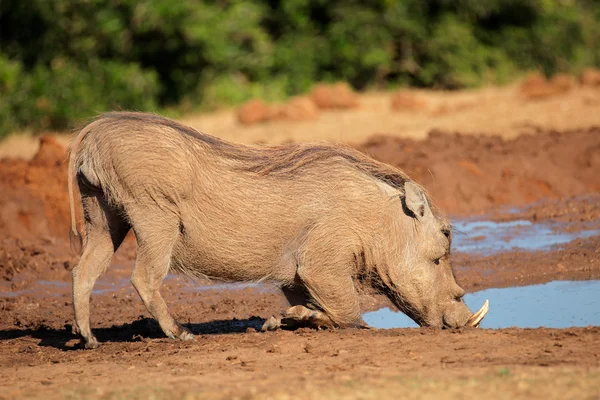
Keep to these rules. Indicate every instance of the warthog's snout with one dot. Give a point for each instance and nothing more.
(458, 314)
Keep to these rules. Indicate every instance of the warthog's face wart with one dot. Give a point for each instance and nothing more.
(417, 275)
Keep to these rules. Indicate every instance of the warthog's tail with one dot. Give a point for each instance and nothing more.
(74, 235)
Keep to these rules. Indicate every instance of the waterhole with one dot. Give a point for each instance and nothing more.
(557, 304)
(488, 237)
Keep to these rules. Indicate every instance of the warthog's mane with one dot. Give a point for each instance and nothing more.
(284, 159)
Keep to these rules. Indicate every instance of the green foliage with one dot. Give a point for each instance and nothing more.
(235, 89)
(65, 60)
(57, 95)
(65, 92)
(10, 76)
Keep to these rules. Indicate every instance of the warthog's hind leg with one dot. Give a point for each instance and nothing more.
(105, 231)
(156, 234)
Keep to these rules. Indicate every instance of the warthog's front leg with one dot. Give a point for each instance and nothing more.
(331, 289)
(321, 298)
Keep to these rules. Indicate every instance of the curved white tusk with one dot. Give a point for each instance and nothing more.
(476, 318)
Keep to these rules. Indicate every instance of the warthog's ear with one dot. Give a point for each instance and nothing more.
(414, 201)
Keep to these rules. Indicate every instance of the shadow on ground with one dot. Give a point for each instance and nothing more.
(143, 328)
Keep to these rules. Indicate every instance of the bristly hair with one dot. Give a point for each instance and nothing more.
(278, 159)
(290, 158)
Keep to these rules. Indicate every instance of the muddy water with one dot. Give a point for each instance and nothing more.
(488, 237)
(106, 285)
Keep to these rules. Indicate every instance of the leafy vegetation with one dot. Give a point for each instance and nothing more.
(64, 60)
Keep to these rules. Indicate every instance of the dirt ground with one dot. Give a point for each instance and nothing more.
(550, 174)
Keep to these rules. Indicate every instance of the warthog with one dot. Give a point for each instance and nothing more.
(321, 221)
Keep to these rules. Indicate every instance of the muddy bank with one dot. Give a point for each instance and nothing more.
(578, 260)
(33, 200)
(584, 208)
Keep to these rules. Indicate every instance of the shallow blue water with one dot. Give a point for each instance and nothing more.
(488, 237)
(557, 304)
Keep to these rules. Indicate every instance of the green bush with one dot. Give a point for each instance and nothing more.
(235, 89)
(10, 78)
(55, 97)
(62, 61)
(66, 92)
(458, 58)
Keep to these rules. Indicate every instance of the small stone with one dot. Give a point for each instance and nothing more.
(308, 348)
(274, 349)
(339, 352)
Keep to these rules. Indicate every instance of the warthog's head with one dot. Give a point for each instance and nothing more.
(416, 273)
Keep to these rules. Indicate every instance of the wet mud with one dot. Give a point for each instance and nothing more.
(548, 179)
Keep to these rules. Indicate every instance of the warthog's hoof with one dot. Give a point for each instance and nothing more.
(90, 344)
(180, 333)
(186, 335)
(272, 324)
